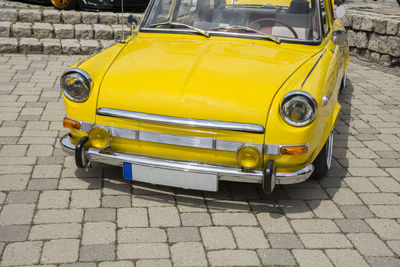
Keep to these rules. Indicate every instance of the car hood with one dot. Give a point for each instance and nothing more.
(215, 78)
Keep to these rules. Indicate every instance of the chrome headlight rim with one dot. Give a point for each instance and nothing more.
(308, 98)
(83, 76)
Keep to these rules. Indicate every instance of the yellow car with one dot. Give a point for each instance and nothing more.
(212, 90)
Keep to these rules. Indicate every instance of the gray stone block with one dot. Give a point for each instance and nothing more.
(50, 15)
(83, 31)
(100, 214)
(373, 43)
(393, 43)
(60, 251)
(70, 46)
(367, 24)
(97, 253)
(108, 18)
(23, 197)
(117, 29)
(8, 14)
(392, 26)
(89, 17)
(14, 232)
(124, 18)
(89, 46)
(29, 15)
(361, 40)
(183, 234)
(350, 37)
(386, 60)
(347, 20)
(379, 25)
(106, 43)
(5, 28)
(71, 17)
(103, 32)
(42, 30)
(30, 45)
(63, 31)
(357, 21)
(22, 253)
(22, 29)
(51, 46)
(375, 56)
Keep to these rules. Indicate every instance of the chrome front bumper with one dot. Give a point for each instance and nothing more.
(223, 173)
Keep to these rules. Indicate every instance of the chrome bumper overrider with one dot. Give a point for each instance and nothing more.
(223, 173)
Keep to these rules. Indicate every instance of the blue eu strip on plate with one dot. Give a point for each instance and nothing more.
(127, 170)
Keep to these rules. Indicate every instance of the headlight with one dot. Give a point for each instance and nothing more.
(248, 156)
(99, 138)
(76, 84)
(298, 108)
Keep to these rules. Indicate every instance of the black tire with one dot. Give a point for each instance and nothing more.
(343, 82)
(324, 159)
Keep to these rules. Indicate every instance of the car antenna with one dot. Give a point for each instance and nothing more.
(122, 22)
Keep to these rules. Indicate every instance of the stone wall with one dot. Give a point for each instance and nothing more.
(375, 36)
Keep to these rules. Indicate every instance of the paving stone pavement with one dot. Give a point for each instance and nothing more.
(53, 214)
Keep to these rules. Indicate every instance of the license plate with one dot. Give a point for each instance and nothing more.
(182, 179)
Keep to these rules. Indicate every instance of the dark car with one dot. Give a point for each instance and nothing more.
(95, 5)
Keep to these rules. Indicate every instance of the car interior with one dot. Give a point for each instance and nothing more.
(292, 21)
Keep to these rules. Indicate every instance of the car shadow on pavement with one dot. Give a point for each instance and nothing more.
(243, 197)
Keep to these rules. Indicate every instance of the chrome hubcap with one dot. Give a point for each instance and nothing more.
(329, 151)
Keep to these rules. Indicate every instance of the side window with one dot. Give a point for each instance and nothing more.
(187, 6)
(324, 18)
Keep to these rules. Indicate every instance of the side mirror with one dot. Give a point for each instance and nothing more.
(132, 22)
(339, 37)
(340, 12)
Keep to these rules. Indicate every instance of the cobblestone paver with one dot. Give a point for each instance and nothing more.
(52, 213)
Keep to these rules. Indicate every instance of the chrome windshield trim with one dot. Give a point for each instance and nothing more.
(220, 125)
(231, 34)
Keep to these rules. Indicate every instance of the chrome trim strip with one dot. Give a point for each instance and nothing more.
(223, 173)
(274, 149)
(295, 177)
(312, 69)
(181, 140)
(221, 125)
(85, 126)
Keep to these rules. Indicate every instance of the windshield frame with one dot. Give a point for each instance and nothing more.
(142, 28)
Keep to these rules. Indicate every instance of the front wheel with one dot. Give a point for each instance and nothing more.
(324, 159)
(65, 4)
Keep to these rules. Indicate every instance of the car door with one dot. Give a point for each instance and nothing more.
(334, 53)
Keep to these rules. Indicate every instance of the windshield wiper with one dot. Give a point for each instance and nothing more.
(248, 29)
(202, 32)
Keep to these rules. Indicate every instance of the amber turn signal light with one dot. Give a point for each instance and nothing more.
(71, 124)
(294, 150)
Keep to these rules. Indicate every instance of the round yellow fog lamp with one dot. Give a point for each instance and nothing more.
(248, 156)
(99, 137)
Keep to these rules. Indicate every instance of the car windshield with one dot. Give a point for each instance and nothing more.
(272, 19)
